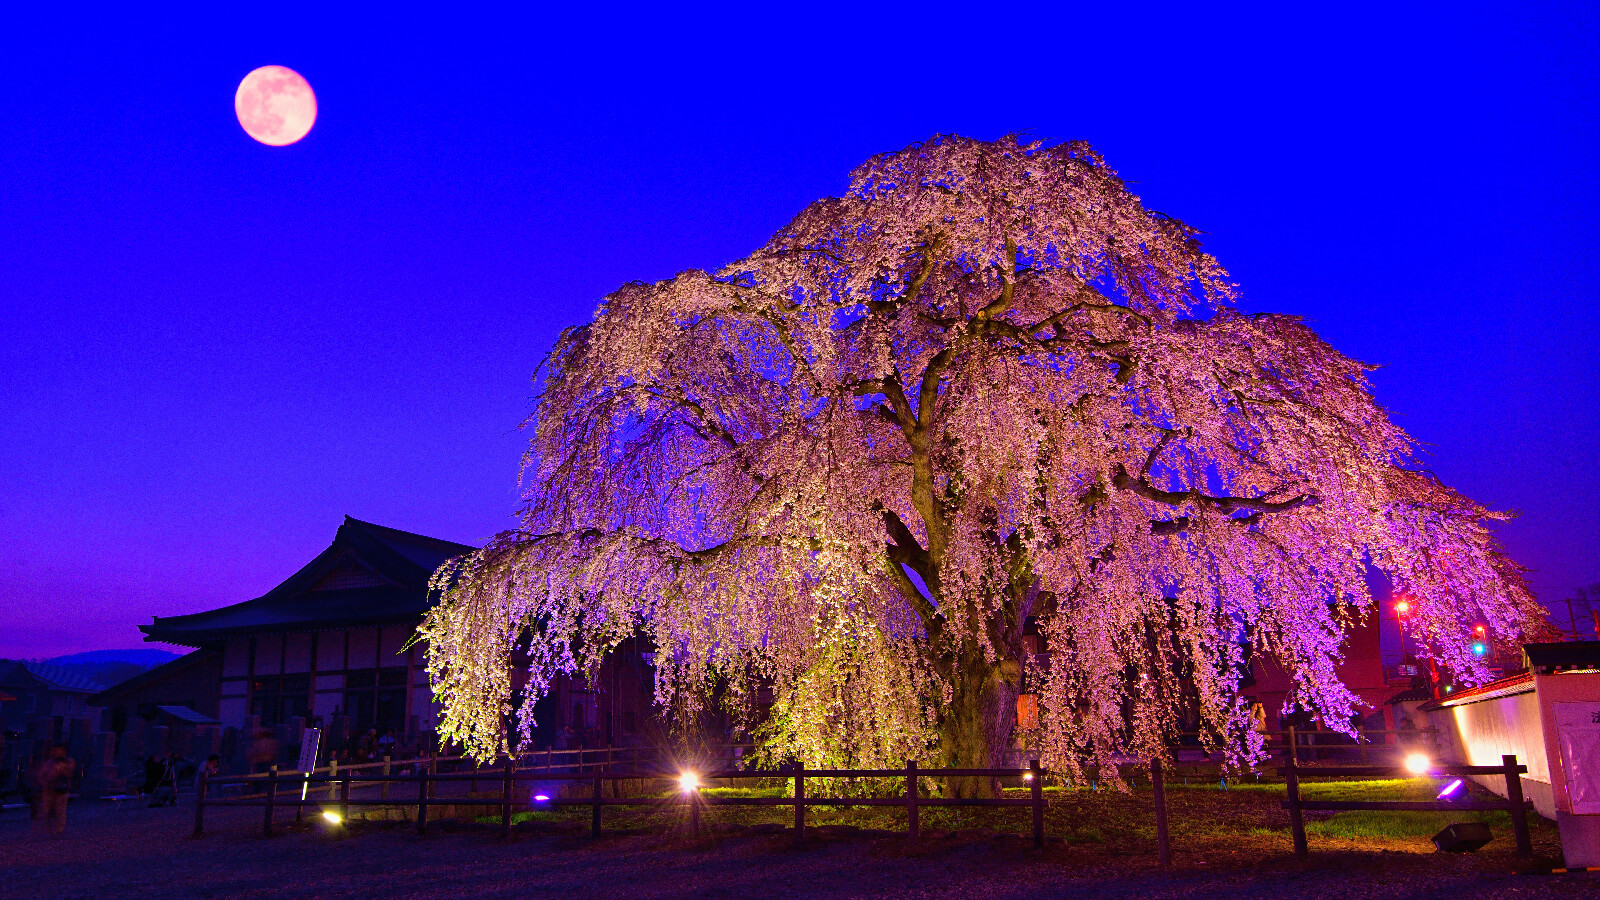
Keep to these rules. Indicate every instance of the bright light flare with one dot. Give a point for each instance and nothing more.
(1027, 776)
(332, 817)
(1450, 789)
(1402, 607)
(688, 781)
(1479, 648)
(1418, 764)
(541, 798)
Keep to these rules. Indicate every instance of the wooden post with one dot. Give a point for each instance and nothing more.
(200, 806)
(594, 822)
(344, 798)
(1519, 812)
(1037, 784)
(505, 798)
(333, 773)
(799, 800)
(272, 797)
(422, 799)
(694, 812)
(1297, 821)
(1158, 785)
(913, 827)
(387, 768)
(1294, 748)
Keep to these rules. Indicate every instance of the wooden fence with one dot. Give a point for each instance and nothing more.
(1509, 768)
(510, 775)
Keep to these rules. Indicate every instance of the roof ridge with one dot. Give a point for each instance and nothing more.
(349, 520)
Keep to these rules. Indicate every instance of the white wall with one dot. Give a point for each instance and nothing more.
(1478, 733)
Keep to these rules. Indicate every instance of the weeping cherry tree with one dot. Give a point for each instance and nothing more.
(984, 395)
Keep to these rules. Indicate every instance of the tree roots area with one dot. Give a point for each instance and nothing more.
(1102, 843)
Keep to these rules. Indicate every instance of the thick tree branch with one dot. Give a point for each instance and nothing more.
(1141, 486)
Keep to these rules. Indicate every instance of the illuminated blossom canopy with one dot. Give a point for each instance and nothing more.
(983, 395)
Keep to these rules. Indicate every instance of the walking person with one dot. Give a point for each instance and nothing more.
(54, 779)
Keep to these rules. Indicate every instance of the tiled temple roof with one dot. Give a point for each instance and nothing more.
(369, 575)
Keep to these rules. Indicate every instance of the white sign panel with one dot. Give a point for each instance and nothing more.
(308, 750)
(1578, 730)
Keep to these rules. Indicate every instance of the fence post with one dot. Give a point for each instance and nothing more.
(1294, 747)
(344, 797)
(913, 826)
(1158, 785)
(200, 806)
(1037, 783)
(505, 797)
(799, 800)
(387, 768)
(1297, 821)
(594, 823)
(1519, 812)
(422, 799)
(272, 797)
(694, 812)
(333, 773)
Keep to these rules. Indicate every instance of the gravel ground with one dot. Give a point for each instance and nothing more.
(147, 853)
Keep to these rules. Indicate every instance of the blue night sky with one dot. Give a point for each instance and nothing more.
(214, 349)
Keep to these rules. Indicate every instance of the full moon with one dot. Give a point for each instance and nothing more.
(275, 105)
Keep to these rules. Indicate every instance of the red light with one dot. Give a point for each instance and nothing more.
(1480, 629)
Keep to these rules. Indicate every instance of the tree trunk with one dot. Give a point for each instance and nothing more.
(975, 730)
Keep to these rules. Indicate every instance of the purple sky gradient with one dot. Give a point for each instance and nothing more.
(214, 349)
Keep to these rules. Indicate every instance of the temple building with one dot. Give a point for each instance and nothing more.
(328, 647)
(329, 641)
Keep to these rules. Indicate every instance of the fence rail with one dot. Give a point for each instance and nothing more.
(1509, 768)
(510, 775)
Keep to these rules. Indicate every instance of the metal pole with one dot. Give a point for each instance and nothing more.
(1037, 783)
(272, 796)
(799, 800)
(1297, 821)
(1158, 785)
(913, 827)
(422, 799)
(344, 797)
(1519, 812)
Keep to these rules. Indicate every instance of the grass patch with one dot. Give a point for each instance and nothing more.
(1368, 824)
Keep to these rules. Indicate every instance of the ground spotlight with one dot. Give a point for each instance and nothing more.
(1418, 764)
(688, 781)
(1450, 790)
(541, 798)
(1027, 776)
(332, 817)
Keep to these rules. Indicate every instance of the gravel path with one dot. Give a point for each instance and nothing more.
(147, 853)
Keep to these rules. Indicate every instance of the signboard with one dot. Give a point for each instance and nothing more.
(1578, 730)
(308, 757)
(308, 750)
